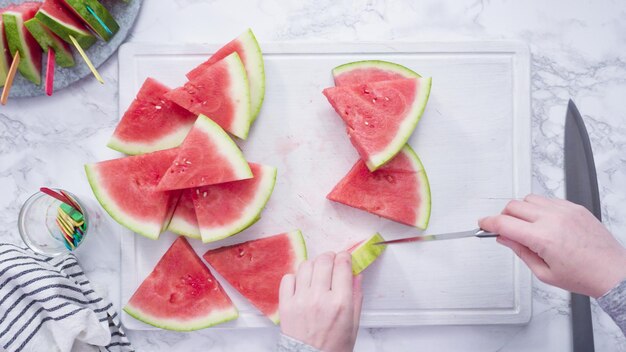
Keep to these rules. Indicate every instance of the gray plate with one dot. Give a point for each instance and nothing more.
(124, 13)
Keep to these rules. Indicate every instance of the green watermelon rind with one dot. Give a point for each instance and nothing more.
(423, 211)
(213, 319)
(239, 89)
(255, 71)
(299, 246)
(405, 129)
(151, 232)
(380, 64)
(172, 140)
(46, 39)
(251, 215)
(366, 253)
(84, 38)
(5, 62)
(15, 37)
(79, 7)
(183, 228)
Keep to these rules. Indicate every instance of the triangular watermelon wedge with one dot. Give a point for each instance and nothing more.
(364, 253)
(152, 122)
(207, 156)
(250, 54)
(229, 208)
(221, 92)
(255, 268)
(95, 15)
(20, 39)
(126, 189)
(380, 116)
(5, 54)
(368, 71)
(184, 221)
(181, 294)
(47, 39)
(60, 20)
(399, 190)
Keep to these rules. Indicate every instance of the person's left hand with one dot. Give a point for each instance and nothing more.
(321, 305)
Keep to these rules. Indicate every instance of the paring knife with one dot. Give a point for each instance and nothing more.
(581, 187)
(444, 236)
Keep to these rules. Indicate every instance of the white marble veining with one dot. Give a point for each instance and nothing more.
(577, 51)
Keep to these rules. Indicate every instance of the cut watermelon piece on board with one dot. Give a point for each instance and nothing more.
(250, 54)
(5, 54)
(152, 122)
(380, 116)
(19, 39)
(366, 252)
(229, 208)
(47, 39)
(368, 71)
(399, 190)
(102, 23)
(54, 15)
(207, 156)
(126, 189)
(255, 268)
(220, 92)
(184, 221)
(181, 294)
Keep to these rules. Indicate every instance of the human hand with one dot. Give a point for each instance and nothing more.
(321, 305)
(562, 243)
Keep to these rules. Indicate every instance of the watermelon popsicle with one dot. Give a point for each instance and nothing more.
(64, 23)
(48, 40)
(95, 15)
(5, 56)
(19, 39)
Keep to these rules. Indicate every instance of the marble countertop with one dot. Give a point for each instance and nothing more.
(577, 51)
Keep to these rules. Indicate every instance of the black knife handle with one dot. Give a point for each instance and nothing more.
(582, 328)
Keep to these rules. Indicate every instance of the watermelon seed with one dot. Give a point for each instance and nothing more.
(374, 100)
(158, 107)
(390, 178)
(367, 123)
(386, 98)
(242, 252)
(204, 194)
(197, 191)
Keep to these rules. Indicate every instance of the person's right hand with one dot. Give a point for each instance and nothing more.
(562, 243)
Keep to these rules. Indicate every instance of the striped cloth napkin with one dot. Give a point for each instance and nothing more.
(47, 304)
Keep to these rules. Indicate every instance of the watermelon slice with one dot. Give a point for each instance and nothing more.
(184, 221)
(47, 39)
(19, 39)
(380, 116)
(366, 252)
(63, 23)
(250, 54)
(126, 189)
(220, 92)
(368, 71)
(102, 23)
(207, 156)
(255, 268)
(5, 54)
(399, 190)
(181, 293)
(152, 122)
(229, 208)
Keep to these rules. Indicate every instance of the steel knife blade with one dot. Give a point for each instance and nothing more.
(581, 187)
(444, 236)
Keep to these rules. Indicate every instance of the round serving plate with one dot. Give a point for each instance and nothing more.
(125, 13)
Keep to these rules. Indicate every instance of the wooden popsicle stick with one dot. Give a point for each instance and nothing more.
(86, 59)
(10, 76)
(60, 197)
(50, 72)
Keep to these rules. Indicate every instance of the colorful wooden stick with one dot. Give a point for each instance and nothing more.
(93, 13)
(50, 72)
(62, 197)
(10, 76)
(86, 59)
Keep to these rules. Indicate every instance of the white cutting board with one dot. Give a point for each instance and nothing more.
(474, 140)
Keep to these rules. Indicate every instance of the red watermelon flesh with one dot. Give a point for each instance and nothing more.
(184, 221)
(399, 190)
(181, 293)
(20, 39)
(255, 268)
(126, 189)
(152, 122)
(380, 116)
(207, 156)
(247, 47)
(369, 71)
(220, 92)
(226, 209)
